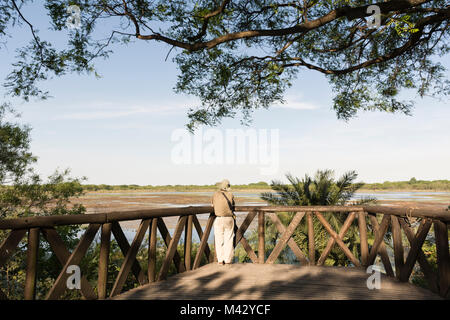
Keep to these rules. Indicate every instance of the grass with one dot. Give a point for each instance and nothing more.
(411, 185)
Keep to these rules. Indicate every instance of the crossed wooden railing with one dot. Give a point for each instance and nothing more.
(397, 218)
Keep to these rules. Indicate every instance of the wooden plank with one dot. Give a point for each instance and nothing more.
(287, 234)
(398, 246)
(340, 243)
(125, 247)
(362, 225)
(248, 248)
(9, 245)
(105, 245)
(251, 281)
(203, 247)
(167, 239)
(291, 243)
(51, 221)
(75, 258)
(311, 241)
(379, 231)
(153, 229)
(415, 248)
(241, 239)
(62, 254)
(130, 258)
(378, 246)
(198, 227)
(343, 209)
(188, 243)
(244, 226)
(32, 255)
(116, 216)
(100, 218)
(443, 257)
(331, 241)
(406, 211)
(261, 238)
(423, 262)
(172, 248)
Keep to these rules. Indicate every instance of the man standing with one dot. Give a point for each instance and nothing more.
(223, 203)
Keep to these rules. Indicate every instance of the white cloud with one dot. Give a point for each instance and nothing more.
(296, 103)
(108, 110)
(93, 115)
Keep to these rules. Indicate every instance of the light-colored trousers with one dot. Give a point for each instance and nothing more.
(223, 235)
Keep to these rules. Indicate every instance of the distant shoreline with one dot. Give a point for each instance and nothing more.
(412, 185)
(402, 190)
(251, 190)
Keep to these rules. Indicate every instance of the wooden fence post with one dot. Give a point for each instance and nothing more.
(152, 250)
(32, 253)
(105, 244)
(311, 244)
(188, 243)
(443, 256)
(399, 258)
(363, 238)
(261, 237)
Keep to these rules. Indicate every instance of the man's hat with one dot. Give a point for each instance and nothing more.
(225, 185)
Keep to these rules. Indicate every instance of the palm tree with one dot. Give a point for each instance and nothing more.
(322, 189)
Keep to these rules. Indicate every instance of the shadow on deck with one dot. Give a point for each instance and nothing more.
(275, 282)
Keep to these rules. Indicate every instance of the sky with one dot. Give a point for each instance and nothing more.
(126, 128)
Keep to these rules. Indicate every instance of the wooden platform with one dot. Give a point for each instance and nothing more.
(273, 282)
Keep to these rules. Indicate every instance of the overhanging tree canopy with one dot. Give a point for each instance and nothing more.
(15, 156)
(236, 56)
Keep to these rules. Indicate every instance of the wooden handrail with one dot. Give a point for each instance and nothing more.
(151, 221)
(418, 212)
(108, 217)
(101, 218)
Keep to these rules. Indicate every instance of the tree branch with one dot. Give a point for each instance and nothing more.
(350, 13)
(36, 38)
(206, 18)
(413, 41)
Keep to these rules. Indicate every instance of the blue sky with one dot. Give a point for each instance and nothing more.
(117, 129)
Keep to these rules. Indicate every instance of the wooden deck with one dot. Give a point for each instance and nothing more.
(274, 282)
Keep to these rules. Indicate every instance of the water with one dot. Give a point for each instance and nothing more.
(395, 195)
(402, 195)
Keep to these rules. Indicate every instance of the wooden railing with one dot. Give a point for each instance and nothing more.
(368, 223)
